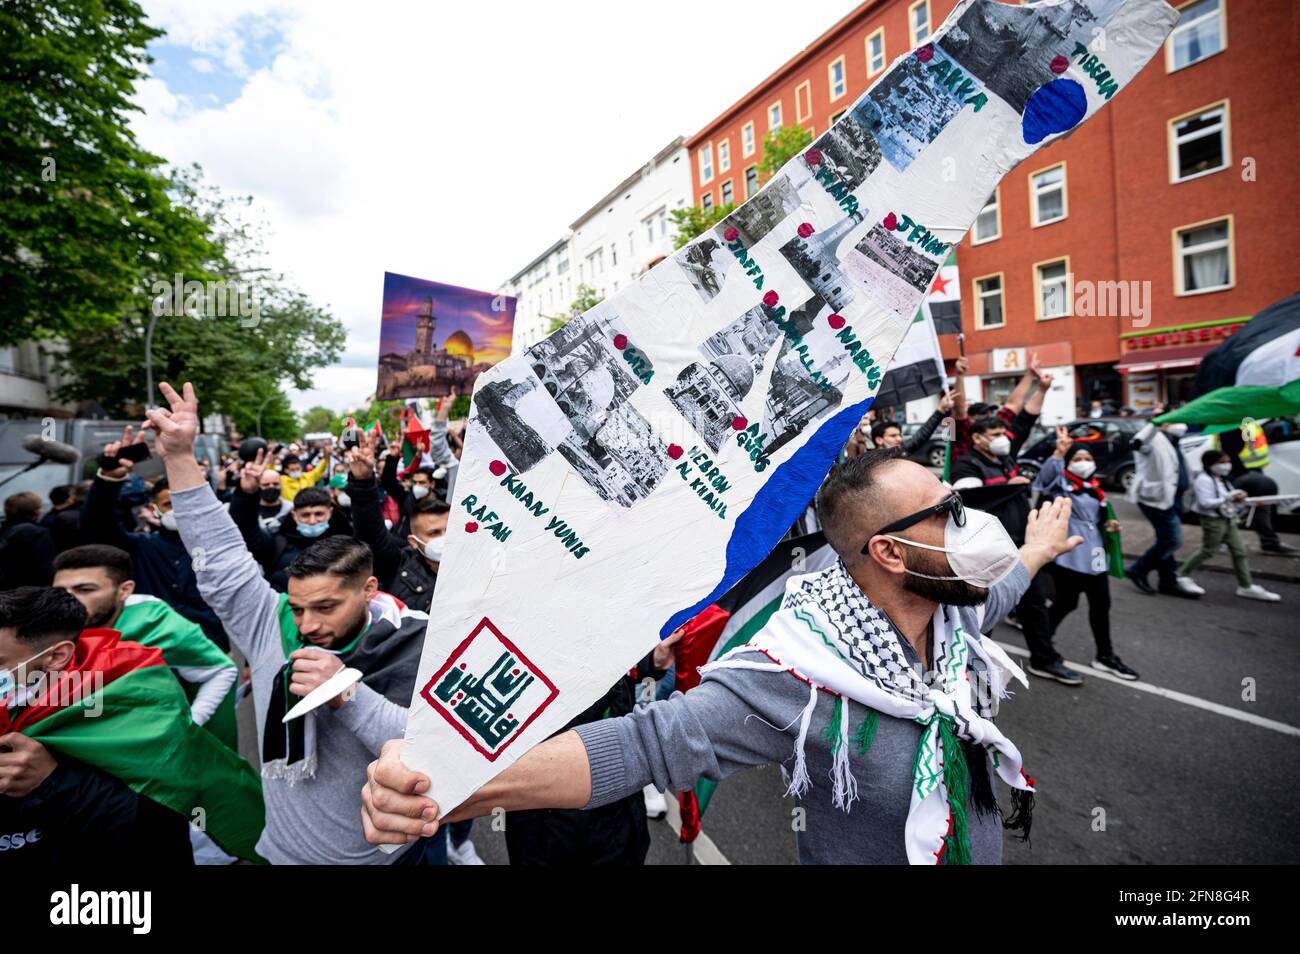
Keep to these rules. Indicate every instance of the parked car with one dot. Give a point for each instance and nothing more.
(930, 453)
(1109, 438)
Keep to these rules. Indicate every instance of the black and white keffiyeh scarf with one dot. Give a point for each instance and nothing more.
(828, 634)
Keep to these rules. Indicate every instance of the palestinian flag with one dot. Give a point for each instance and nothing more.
(187, 651)
(119, 708)
(732, 621)
(1265, 353)
(415, 440)
(916, 370)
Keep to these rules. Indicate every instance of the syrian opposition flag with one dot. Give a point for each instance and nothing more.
(119, 708)
(917, 369)
(732, 621)
(1264, 353)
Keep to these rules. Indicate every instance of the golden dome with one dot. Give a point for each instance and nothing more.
(459, 343)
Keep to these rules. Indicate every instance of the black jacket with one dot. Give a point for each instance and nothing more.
(612, 834)
(81, 814)
(275, 551)
(160, 565)
(26, 555)
(1008, 502)
(400, 570)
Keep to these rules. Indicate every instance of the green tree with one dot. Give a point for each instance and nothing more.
(255, 330)
(87, 214)
(587, 299)
(691, 222)
(321, 419)
(780, 146)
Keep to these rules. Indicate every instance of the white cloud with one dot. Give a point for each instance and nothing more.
(452, 142)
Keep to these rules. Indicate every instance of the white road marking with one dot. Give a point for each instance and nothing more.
(706, 852)
(1206, 704)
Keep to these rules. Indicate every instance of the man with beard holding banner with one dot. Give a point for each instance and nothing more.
(333, 616)
(873, 674)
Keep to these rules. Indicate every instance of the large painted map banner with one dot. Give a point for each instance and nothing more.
(621, 474)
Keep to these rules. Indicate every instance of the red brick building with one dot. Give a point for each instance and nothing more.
(1184, 181)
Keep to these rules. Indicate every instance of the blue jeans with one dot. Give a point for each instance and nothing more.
(1168, 525)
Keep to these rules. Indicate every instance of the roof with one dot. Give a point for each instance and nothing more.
(540, 258)
(659, 157)
(808, 52)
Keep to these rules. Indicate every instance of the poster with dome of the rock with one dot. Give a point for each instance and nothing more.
(436, 338)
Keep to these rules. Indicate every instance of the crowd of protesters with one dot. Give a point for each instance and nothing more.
(256, 578)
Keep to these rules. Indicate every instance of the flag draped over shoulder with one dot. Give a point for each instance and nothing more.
(733, 621)
(151, 622)
(119, 708)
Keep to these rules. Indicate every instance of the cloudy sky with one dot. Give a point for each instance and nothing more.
(453, 142)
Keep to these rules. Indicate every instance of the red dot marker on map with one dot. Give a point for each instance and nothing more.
(836, 321)
(674, 451)
(806, 229)
(890, 221)
(1060, 64)
(471, 527)
(498, 467)
(738, 423)
(620, 342)
(925, 53)
(771, 298)
(814, 156)
(464, 665)
(731, 234)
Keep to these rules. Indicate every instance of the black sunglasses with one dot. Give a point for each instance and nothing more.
(951, 504)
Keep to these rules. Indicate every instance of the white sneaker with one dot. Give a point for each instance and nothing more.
(464, 854)
(1257, 592)
(1188, 585)
(655, 806)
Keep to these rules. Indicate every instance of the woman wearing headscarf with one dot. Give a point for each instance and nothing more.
(1071, 472)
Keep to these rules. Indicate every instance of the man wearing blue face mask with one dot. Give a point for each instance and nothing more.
(406, 566)
(871, 684)
(313, 517)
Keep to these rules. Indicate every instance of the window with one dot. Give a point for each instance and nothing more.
(988, 224)
(1198, 143)
(1052, 281)
(918, 21)
(988, 302)
(751, 181)
(1047, 196)
(706, 162)
(631, 244)
(835, 78)
(724, 155)
(747, 139)
(613, 255)
(706, 201)
(1203, 257)
(803, 101)
(1201, 32)
(774, 117)
(835, 117)
(876, 52)
(649, 230)
(662, 215)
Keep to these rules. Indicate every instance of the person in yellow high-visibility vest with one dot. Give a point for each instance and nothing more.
(1247, 449)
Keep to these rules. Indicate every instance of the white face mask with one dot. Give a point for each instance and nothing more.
(1176, 430)
(168, 519)
(343, 500)
(1000, 446)
(1222, 470)
(420, 491)
(981, 553)
(9, 681)
(1083, 468)
(432, 549)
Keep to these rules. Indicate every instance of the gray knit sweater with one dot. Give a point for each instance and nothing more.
(738, 719)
